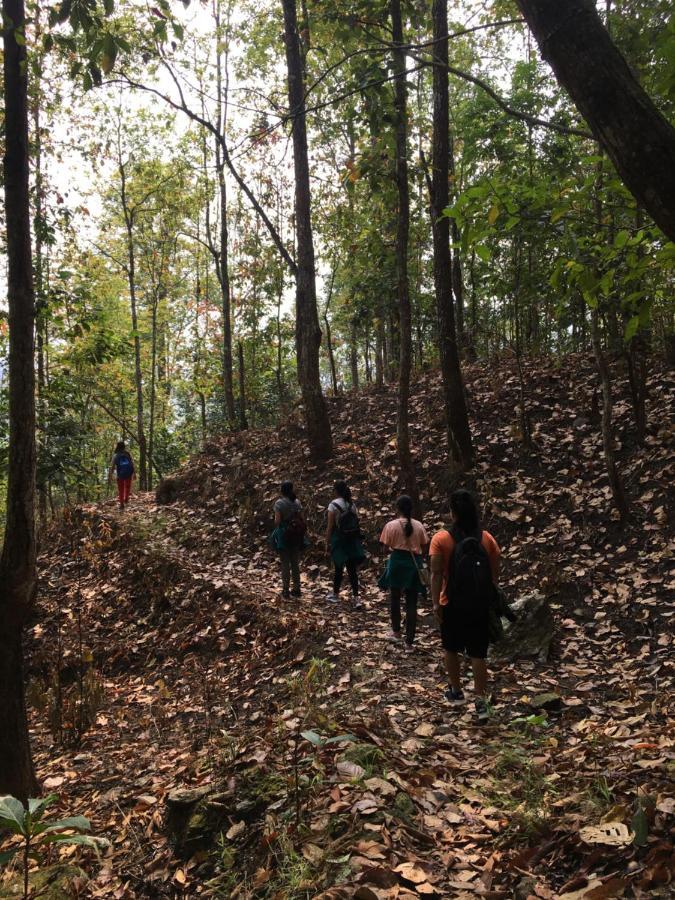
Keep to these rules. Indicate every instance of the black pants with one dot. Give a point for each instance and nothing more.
(290, 567)
(352, 571)
(410, 612)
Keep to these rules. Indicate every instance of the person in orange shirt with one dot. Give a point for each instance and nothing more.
(464, 571)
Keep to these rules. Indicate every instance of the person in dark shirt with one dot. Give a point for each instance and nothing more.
(123, 466)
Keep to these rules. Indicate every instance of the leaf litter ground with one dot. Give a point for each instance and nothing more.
(207, 677)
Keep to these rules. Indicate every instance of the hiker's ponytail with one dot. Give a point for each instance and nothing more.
(287, 491)
(464, 507)
(404, 506)
(341, 488)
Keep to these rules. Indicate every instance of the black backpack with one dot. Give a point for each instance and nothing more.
(471, 589)
(295, 530)
(348, 523)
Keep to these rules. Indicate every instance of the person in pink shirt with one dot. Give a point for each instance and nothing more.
(407, 539)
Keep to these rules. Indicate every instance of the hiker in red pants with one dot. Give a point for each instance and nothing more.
(123, 466)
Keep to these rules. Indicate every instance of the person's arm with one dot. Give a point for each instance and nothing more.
(330, 527)
(437, 572)
(277, 517)
(110, 471)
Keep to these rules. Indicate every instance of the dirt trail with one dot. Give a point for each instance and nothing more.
(200, 660)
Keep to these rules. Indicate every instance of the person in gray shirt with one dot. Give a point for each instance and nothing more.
(288, 538)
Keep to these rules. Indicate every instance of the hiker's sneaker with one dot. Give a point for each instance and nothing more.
(121, 505)
(409, 648)
(455, 698)
(393, 636)
(286, 595)
(482, 711)
(357, 602)
(296, 592)
(332, 598)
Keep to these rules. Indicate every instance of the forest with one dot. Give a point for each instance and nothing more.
(411, 245)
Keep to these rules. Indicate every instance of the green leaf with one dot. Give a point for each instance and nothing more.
(79, 822)
(621, 239)
(483, 253)
(7, 856)
(109, 7)
(640, 827)
(84, 840)
(493, 214)
(312, 737)
(631, 329)
(36, 807)
(12, 815)
(109, 54)
(338, 739)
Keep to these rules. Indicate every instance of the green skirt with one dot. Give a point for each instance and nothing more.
(401, 572)
(343, 550)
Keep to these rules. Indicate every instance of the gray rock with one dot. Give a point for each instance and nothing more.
(531, 634)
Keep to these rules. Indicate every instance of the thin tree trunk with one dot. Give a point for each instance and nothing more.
(458, 431)
(18, 561)
(402, 234)
(636, 136)
(279, 372)
(607, 426)
(307, 330)
(369, 367)
(40, 293)
(131, 277)
(243, 422)
(456, 267)
(379, 352)
(223, 268)
(353, 357)
(153, 388)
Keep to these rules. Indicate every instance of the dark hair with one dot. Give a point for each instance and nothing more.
(464, 506)
(287, 491)
(120, 448)
(342, 490)
(404, 506)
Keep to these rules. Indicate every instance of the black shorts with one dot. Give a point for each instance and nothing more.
(464, 637)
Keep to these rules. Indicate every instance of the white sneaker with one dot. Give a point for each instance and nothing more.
(332, 598)
(392, 636)
(357, 602)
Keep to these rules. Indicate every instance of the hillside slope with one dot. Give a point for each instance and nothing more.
(206, 674)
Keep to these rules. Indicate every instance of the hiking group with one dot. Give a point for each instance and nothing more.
(462, 576)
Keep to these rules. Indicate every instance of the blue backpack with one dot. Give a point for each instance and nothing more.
(125, 467)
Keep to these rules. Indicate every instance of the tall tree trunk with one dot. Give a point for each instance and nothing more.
(379, 352)
(18, 561)
(40, 292)
(637, 137)
(243, 421)
(402, 234)
(279, 371)
(307, 330)
(458, 431)
(223, 262)
(138, 374)
(456, 267)
(331, 354)
(353, 356)
(128, 214)
(369, 367)
(607, 426)
(153, 389)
